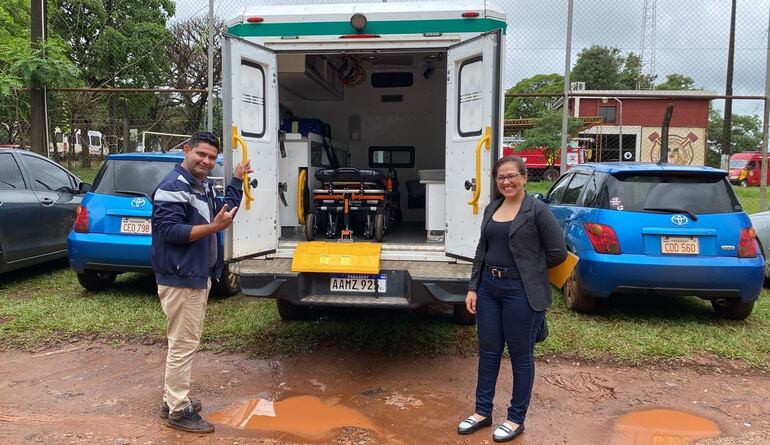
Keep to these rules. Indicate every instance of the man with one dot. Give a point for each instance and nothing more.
(186, 254)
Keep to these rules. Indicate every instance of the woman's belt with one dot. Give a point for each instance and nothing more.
(499, 272)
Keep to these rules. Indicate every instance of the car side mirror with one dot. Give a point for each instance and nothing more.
(539, 196)
(84, 187)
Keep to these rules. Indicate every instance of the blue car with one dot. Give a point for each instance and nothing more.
(663, 229)
(112, 230)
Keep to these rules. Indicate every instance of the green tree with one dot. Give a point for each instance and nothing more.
(526, 107)
(22, 66)
(116, 42)
(676, 81)
(607, 68)
(546, 134)
(746, 135)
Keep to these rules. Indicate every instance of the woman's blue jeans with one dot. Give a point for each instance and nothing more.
(503, 316)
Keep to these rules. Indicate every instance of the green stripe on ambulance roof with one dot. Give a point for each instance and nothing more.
(381, 27)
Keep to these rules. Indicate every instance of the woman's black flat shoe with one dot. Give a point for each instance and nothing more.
(504, 433)
(470, 425)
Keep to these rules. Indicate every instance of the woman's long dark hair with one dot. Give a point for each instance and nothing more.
(520, 166)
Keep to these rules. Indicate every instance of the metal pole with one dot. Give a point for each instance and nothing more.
(210, 98)
(765, 119)
(620, 136)
(565, 105)
(38, 120)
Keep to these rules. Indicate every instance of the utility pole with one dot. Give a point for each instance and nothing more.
(38, 118)
(565, 109)
(765, 131)
(210, 95)
(728, 119)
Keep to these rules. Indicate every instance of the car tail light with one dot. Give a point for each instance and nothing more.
(81, 220)
(747, 244)
(603, 238)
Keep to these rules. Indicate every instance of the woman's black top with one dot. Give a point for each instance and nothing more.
(498, 251)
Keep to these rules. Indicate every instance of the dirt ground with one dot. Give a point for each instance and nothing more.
(92, 393)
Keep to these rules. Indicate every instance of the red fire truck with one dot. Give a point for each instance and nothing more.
(537, 164)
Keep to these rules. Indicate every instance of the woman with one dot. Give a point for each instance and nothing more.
(509, 292)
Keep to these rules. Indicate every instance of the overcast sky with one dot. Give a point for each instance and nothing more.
(691, 37)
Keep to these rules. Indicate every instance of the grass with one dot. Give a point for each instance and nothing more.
(86, 174)
(44, 306)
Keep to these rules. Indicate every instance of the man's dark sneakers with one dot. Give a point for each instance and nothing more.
(196, 404)
(189, 420)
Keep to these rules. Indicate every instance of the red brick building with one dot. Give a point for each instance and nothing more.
(631, 127)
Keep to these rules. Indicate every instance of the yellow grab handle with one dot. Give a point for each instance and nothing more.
(237, 139)
(486, 141)
(301, 179)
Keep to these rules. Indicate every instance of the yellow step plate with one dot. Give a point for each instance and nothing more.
(333, 257)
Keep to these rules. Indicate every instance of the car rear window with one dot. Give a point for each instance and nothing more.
(131, 177)
(699, 194)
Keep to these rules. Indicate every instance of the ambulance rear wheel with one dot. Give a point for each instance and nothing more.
(379, 227)
(310, 226)
(289, 311)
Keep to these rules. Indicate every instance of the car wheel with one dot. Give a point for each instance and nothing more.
(551, 174)
(575, 297)
(95, 280)
(229, 284)
(461, 316)
(290, 311)
(733, 309)
(743, 183)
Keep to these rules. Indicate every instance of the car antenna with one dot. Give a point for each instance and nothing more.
(664, 134)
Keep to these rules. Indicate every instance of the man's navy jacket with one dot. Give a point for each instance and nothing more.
(180, 202)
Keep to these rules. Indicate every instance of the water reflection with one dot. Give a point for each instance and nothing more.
(662, 427)
(305, 416)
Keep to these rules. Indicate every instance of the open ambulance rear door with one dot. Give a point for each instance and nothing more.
(473, 126)
(250, 95)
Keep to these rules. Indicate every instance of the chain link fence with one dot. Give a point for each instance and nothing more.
(654, 43)
(122, 121)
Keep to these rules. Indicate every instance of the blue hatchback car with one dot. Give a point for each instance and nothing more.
(112, 230)
(658, 229)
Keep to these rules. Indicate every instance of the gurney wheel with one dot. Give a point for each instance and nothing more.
(379, 227)
(310, 226)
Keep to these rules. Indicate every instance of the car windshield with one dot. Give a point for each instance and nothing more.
(678, 192)
(138, 177)
(737, 163)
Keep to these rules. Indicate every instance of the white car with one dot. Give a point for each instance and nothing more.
(761, 224)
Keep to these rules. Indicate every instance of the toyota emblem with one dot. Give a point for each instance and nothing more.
(138, 202)
(679, 220)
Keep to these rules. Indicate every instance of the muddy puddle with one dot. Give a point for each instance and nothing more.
(304, 416)
(662, 427)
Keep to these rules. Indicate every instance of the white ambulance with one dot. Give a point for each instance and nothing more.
(411, 91)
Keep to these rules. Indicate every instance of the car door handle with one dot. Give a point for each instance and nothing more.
(568, 219)
(48, 202)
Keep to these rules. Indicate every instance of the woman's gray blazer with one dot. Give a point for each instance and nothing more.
(536, 242)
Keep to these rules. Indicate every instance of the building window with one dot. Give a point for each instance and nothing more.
(608, 114)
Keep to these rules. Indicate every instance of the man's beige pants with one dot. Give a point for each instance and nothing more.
(185, 309)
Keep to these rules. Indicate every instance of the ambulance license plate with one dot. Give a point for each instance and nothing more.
(358, 283)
